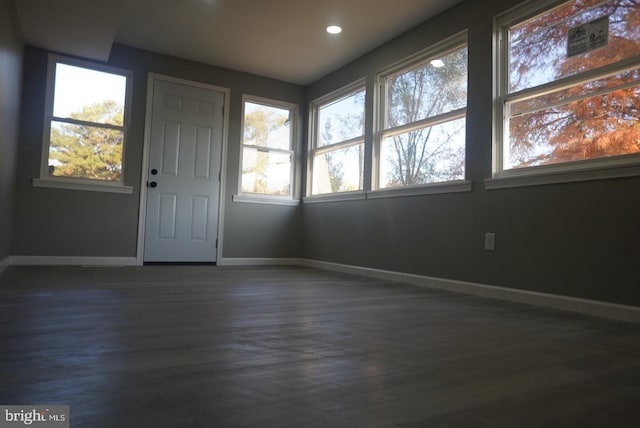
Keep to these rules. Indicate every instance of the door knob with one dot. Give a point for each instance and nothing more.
(154, 171)
(153, 184)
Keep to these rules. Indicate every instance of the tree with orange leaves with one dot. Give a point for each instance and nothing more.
(592, 117)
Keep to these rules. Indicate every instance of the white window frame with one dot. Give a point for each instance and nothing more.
(74, 183)
(292, 198)
(583, 170)
(314, 108)
(382, 130)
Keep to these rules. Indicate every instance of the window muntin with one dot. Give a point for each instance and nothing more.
(558, 109)
(85, 122)
(337, 145)
(601, 86)
(267, 148)
(422, 139)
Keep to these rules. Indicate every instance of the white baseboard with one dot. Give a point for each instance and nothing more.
(574, 304)
(133, 261)
(72, 261)
(5, 263)
(248, 261)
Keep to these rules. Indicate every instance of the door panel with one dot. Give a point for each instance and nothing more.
(202, 167)
(199, 215)
(185, 154)
(167, 216)
(170, 147)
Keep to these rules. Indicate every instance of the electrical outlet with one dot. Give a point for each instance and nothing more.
(490, 241)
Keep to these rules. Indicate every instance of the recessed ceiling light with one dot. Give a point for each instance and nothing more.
(437, 63)
(334, 29)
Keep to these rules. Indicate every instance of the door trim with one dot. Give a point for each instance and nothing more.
(144, 176)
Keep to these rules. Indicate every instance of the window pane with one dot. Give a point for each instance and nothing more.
(427, 90)
(538, 47)
(427, 155)
(596, 127)
(89, 95)
(341, 120)
(266, 126)
(338, 170)
(85, 152)
(267, 173)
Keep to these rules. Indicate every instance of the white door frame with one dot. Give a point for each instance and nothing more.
(144, 176)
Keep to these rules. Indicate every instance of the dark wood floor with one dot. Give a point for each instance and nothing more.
(194, 346)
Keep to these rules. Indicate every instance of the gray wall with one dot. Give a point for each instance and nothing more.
(578, 239)
(52, 222)
(10, 85)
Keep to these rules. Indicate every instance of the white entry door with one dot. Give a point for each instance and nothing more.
(183, 188)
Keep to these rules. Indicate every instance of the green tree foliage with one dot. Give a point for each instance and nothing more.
(84, 151)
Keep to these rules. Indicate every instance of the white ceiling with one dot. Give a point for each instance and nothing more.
(282, 39)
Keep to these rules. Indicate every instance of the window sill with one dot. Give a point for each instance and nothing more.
(83, 185)
(256, 199)
(398, 192)
(427, 189)
(543, 177)
(336, 197)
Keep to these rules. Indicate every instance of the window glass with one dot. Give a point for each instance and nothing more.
(267, 154)
(425, 155)
(594, 112)
(423, 138)
(336, 155)
(338, 170)
(267, 173)
(341, 120)
(83, 151)
(538, 48)
(429, 89)
(87, 124)
(594, 127)
(78, 92)
(267, 126)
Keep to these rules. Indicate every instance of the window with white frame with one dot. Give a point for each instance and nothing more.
(336, 155)
(567, 86)
(268, 129)
(85, 123)
(422, 125)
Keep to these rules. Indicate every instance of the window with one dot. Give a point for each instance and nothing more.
(337, 143)
(567, 87)
(267, 148)
(423, 105)
(85, 123)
